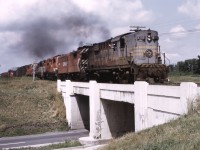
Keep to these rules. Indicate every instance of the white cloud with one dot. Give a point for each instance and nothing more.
(178, 28)
(191, 8)
(167, 40)
(119, 30)
(173, 57)
(91, 5)
(17, 10)
(119, 14)
(178, 31)
(197, 27)
(14, 10)
(173, 45)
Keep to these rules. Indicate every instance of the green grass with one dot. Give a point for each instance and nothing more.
(180, 77)
(181, 134)
(28, 107)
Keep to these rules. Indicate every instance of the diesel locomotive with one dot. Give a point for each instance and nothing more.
(123, 59)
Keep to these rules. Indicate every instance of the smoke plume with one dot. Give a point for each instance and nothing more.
(44, 36)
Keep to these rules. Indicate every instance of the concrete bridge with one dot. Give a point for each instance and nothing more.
(110, 110)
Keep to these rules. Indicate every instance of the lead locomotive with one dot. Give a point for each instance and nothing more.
(125, 58)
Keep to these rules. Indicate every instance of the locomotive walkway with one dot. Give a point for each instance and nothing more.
(110, 110)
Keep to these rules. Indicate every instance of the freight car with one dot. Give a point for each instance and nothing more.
(5, 74)
(73, 65)
(123, 59)
(29, 70)
(12, 72)
(48, 69)
(21, 71)
(40, 69)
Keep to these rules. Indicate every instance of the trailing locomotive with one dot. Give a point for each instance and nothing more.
(47, 69)
(123, 59)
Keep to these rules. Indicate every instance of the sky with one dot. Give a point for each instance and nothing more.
(33, 30)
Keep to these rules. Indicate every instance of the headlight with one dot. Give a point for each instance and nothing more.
(149, 38)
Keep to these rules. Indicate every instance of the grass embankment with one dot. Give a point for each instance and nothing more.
(28, 107)
(181, 134)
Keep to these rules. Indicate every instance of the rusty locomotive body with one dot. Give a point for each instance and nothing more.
(128, 57)
(47, 69)
(123, 59)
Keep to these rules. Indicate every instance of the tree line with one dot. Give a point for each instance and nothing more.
(187, 66)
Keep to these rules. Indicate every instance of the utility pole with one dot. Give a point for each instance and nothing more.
(34, 65)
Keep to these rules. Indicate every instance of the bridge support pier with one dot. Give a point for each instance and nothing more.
(141, 118)
(95, 109)
(73, 111)
(95, 136)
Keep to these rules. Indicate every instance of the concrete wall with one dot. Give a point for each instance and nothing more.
(113, 109)
(117, 117)
(77, 106)
(169, 102)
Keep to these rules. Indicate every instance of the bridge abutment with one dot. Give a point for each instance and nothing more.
(77, 108)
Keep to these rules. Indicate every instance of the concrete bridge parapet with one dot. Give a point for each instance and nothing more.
(110, 110)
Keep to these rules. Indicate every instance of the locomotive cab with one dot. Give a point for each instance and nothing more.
(144, 54)
(142, 47)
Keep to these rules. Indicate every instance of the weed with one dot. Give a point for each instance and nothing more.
(184, 78)
(28, 107)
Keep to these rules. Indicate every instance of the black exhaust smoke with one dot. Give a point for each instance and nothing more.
(44, 37)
